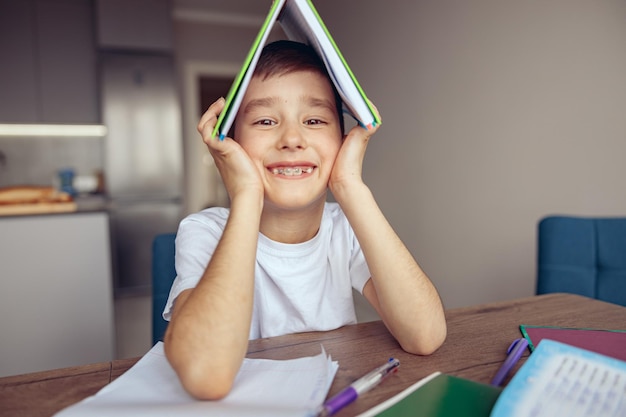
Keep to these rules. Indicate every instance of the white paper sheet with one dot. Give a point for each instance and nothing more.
(263, 387)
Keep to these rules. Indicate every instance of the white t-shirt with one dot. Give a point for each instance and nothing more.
(297, 287)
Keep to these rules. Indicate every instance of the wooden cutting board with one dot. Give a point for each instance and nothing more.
(33, 199)
(37, 208)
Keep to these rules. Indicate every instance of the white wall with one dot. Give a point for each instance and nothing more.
(495, 114)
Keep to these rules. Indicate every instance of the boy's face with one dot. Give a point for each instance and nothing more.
(289, 126)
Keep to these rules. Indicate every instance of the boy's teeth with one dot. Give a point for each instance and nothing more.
(292, 171)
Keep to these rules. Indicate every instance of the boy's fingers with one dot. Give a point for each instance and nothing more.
(206, 117)
(376, 110)
(363, 133)
(209, 118)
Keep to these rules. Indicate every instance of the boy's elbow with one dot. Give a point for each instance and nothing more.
(202, 379)
(206, 385)
(425, 344)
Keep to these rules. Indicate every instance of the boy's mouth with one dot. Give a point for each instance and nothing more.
(292, 171)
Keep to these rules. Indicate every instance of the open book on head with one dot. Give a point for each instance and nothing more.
(300, 22)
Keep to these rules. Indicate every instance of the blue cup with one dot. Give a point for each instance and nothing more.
(66, 176)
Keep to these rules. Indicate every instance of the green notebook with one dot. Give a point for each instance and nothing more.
(440, 395)
(300, 22)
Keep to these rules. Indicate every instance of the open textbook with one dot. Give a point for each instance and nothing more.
(263, 388)
(300, 22)
(564, 380)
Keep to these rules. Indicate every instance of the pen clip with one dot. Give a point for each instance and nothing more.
(514, 353)
(391, 365)
(515, 342)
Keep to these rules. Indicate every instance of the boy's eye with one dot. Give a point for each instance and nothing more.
(314, 122)
(265, 122)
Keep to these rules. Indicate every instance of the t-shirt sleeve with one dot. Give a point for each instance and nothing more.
(359, 271)
(346, 248)
(196, 240)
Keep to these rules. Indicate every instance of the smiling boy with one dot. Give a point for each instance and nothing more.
(281, 259)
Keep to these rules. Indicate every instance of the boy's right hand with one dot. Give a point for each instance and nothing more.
(233, 163)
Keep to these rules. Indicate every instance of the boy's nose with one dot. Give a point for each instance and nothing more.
(292, 138)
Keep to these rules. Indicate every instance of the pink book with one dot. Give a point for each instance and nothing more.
(606, 342)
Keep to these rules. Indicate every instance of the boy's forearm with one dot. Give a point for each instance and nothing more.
(208, 335)
(407, 300)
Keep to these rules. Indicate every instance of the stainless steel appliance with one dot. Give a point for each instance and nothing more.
(143, 159)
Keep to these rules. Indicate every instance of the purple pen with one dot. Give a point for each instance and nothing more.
(358, 387)
(514, 353)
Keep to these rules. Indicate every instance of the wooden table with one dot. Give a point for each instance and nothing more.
(477, 339)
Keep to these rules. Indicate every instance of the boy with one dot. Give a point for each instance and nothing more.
(281, 259)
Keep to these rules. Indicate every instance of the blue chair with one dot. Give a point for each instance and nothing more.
(585, 256)
(163, 274)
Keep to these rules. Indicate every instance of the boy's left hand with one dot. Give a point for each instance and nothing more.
(349, 162)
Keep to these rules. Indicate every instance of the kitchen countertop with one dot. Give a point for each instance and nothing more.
(96, 202)
(81, 204)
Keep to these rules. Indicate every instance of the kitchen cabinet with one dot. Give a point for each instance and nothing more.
(56, 296)
(49, 62)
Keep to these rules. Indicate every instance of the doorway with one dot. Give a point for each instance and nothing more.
(212, 88)
(204, 82)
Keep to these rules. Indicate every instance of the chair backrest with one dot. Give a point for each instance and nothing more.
(163, 274)
(585, 256)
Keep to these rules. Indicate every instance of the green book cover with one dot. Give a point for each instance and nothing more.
(440, 395)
